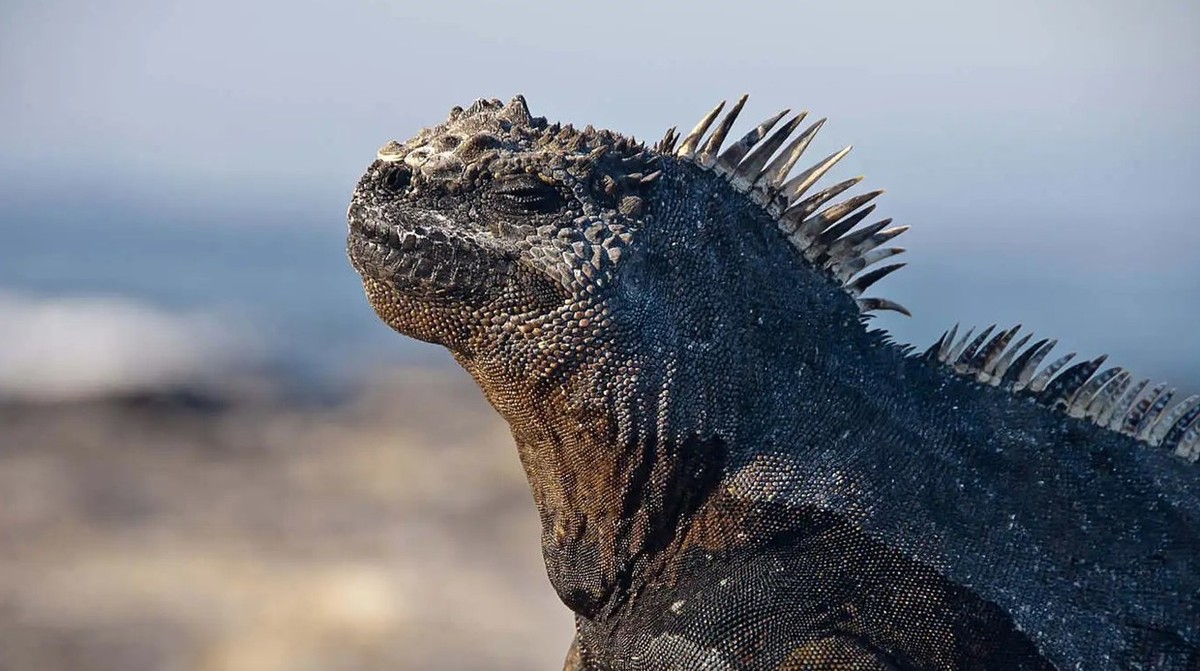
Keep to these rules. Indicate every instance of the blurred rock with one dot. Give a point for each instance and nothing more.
(393, 530)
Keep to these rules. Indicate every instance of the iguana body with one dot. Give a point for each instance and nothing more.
(731, 470)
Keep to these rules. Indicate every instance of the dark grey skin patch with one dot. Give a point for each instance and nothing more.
(677, 337)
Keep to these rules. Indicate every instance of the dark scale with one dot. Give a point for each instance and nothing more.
(731, 470)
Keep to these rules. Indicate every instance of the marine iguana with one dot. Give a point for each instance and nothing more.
(732, 470)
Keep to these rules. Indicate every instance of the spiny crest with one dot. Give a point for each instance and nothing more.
(760, 165)
(1108, 398)
(489, 128)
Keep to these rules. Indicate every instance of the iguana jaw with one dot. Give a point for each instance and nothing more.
(421, 256)
(420, 276)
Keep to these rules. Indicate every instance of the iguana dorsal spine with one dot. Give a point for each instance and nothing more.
(732, 471)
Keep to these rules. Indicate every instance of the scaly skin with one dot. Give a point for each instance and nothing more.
(731, 470)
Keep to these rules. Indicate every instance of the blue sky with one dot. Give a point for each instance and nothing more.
(1046, 154)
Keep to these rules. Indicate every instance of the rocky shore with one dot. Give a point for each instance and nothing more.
(204, 531)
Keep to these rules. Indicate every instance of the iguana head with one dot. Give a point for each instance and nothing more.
(497, 225)
(496, 229)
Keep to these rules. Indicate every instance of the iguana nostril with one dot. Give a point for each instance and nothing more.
(396, 178)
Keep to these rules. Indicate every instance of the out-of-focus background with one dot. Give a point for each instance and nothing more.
(213, 457)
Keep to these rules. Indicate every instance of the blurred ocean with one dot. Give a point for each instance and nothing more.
(124, 282)
(173, 182)
(177, 172)
(138, 283)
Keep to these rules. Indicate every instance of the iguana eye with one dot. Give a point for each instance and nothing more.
(395, 178)
(522, 194)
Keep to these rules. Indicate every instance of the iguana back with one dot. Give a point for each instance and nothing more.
(732, 470)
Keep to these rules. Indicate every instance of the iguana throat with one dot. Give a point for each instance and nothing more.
(731, 470)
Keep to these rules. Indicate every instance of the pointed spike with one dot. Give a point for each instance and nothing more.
(707, 155)
(935, 349)
(959, 346)
(838, 252)
(667, 144)
(688, 147)
(750, 171)
(858, 286)
(517, 111)
(844, 246)
(1175, 424)
(731, 157)
(798, 185)
(596, 154)
(1133, 418)
(967, 357)
(866, 305)
(847, 269)
(948, 345)
(1103, 402)
(835, 232)
(994, 350)
(810, 228)
(1061, 391)
(832, 234)
(1083, 398)
(1189, 445)
(1043, 378)
(1116, 416)
(651, 178)
(834, 212)
(1026, 365)
(1142, 432)
(1006, 359)
(778, 170)
(809, 205)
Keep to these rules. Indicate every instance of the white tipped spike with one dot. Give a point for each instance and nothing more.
(1006, 360)
(807, 231)
(1162, 426)
(1104, 399)
(1151, 415)
(707, 155)
(750, 170)
(1043, 378)
(1115, 416)
(796, 186)
(1189, 445)
(688, 147)
(1026, 373)
(864, 281)
(1088, 392)
(866, 305)
(846, 269)
(959, 346)
(943, 354)
(1179, 426)
(860, 242)
(1128, 422)
(809, 205)
(731, 157)
(777, 171)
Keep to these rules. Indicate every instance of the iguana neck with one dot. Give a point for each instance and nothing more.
(622, 454)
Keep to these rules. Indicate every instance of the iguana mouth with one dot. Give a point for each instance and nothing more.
(417, 257)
